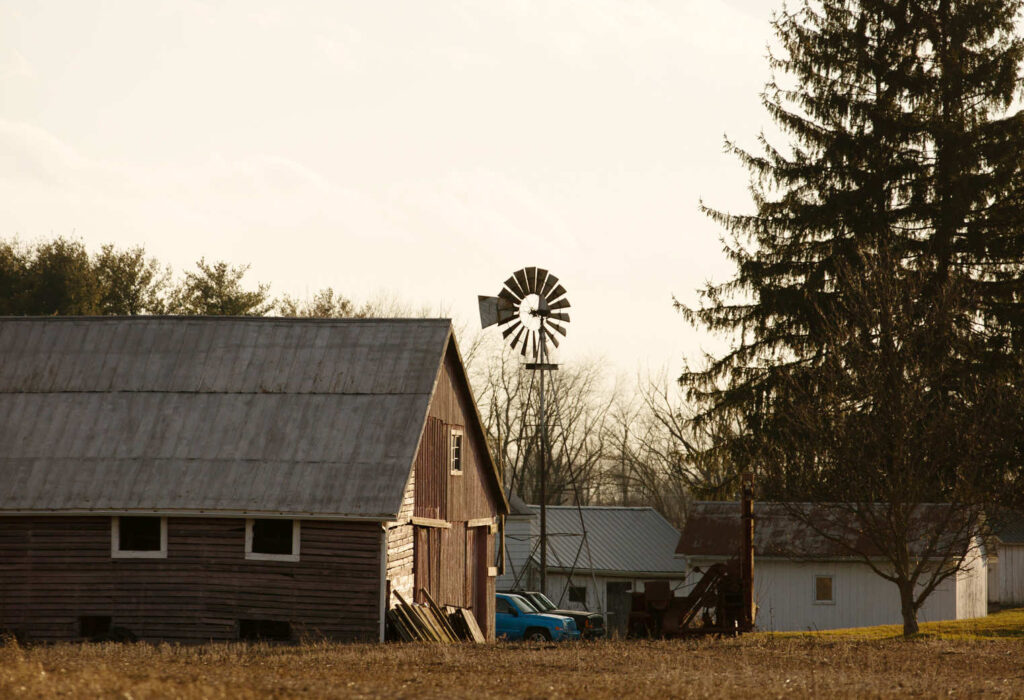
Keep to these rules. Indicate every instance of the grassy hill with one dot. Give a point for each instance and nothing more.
(1005, 623)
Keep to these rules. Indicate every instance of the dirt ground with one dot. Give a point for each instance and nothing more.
(755, 666)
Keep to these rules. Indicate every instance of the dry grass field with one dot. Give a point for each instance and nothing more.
(959, 659)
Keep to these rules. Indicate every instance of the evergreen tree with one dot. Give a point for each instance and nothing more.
(883, 262)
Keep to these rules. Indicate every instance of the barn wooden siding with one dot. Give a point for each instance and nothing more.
(453, 556)
(55, 569)
(456, 498)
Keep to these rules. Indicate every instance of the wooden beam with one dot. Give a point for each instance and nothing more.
(432, 522)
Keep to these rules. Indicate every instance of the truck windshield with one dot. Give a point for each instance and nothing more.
(541, 601)
(523, 604)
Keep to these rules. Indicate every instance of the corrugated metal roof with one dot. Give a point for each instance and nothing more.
(714, 529)
(621, 540)
(1009, 528)
(289, 416)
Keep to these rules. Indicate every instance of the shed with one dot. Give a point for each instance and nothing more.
(195, 478)
(803, 580)
(1006, 584)
(622, 547)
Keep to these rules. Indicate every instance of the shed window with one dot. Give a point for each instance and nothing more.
(138, 537)
(823, 589)
(272, 539)
(456, 456)
(578, 594)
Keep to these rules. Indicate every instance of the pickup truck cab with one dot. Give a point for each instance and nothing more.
(517, 618)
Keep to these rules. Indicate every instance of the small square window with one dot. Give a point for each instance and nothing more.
(578, 594)
(272, 539)
(456, 454)
(823, 589)
(138, 537)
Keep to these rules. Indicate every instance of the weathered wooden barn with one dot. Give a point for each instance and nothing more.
(220, 478)
(804, 581)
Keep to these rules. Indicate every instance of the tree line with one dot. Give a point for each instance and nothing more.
(61, 277)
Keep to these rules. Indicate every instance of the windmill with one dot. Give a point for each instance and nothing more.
(531, 308)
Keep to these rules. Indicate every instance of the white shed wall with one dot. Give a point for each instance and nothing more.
(597, 591)
(1011, 575)
(993, 580)
(784, 593)
(519, 540)
(972, 587)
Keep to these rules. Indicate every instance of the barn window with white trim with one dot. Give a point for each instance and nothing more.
(456, 451)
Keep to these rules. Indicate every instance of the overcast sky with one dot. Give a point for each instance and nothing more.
(427, 149)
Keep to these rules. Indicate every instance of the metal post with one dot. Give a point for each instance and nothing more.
(747, 555)
(543, 473)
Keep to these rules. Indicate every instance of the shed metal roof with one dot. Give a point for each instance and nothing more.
(285, 416)
(1010, 528)
(714, 529)
(622, 541)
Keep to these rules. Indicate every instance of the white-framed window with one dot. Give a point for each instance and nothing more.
(824, 590)
(138, 537)
(272, 539)
(455, 461)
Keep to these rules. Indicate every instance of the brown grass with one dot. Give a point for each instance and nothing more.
(759, 665)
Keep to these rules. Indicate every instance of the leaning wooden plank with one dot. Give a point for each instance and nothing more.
(429, 625)
(474, 629)
(410, 623)
(400, 626)
(440, 616)
(426, 615)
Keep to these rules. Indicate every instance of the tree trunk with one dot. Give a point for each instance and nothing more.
(908, 608)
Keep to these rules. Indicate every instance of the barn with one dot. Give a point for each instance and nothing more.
(802, 581)
(193, 479)
(598, 556)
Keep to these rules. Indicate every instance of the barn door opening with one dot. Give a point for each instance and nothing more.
(618, 601)
(481, 596)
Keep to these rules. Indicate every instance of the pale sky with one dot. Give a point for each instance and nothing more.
(427, 149)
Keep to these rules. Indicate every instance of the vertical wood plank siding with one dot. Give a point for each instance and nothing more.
(465, 496)
(451, 563)
(431, 472)
(55, 569)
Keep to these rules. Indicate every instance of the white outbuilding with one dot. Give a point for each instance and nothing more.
(803, 581)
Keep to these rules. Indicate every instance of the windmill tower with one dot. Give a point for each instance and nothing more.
(531, 309)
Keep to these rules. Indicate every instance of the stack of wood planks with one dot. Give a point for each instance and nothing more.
(429, 623)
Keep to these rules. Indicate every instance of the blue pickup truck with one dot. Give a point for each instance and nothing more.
(516, 618)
